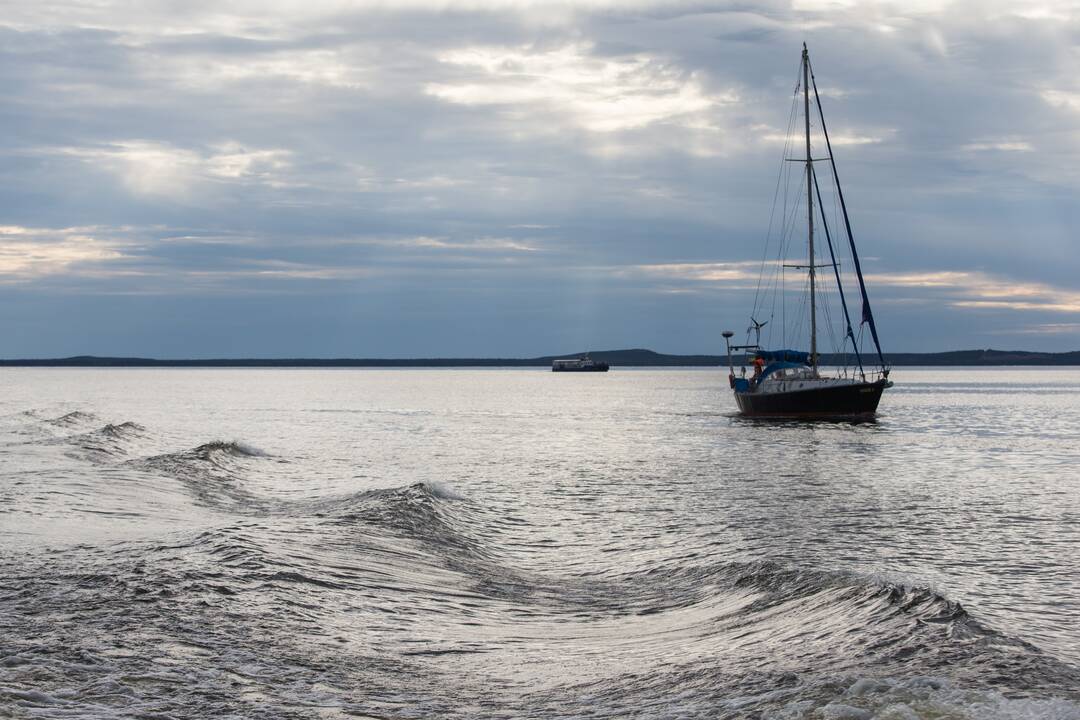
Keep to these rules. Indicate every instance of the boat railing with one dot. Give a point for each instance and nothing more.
(847, 371)
(873, 375)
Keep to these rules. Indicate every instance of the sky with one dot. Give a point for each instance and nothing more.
(506, 178)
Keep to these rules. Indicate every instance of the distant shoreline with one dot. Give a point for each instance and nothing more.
(616, 358)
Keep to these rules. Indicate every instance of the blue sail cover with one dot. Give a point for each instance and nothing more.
(788, 356)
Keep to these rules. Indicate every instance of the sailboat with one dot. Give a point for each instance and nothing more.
(790, 383)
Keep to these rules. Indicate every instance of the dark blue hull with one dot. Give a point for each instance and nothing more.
(836, 401)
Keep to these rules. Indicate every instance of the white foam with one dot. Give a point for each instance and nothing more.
(442, 491)
(918, 698)
(249, 449)
(840, 711)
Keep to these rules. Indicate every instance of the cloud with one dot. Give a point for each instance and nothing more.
(330, 68)
(913, 6)
(732, 274)
(232, 161)
(960, 289)
(30, 253)
(1065, 99)
(285, 270)
(480, 244)
(161, 169)
(999, 145)
(155, 260)
(843, 137)
(606, 163)
(979, 290)
(599, 94)
(1043, 329)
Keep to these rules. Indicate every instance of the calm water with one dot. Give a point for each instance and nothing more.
(513, 543)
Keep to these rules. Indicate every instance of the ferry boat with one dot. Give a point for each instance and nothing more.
(789, 382)
(580, 364)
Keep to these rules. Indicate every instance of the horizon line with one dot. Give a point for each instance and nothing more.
(980, 355)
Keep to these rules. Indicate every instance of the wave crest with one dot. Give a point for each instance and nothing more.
(75, 417)
(235, 448)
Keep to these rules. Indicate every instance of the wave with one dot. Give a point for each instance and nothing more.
(442, 491)
(430, 513)
(425, 547)
(123, 430)
(235, 448)
(811, 616)
(215, 473)
(217, 454)
(102, 445)
(76, 417)
(869, 621)
(759, 640)
(116, 436)
(779, 695)
(419, 574)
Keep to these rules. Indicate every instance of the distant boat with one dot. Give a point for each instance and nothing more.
(788, 382)
(581, 364)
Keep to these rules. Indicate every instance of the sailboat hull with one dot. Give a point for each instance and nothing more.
(847, 400)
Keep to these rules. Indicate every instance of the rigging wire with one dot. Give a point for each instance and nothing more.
(867, 313)
(772, 285)
(782, 182)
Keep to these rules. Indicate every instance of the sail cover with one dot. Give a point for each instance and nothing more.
(791, 356)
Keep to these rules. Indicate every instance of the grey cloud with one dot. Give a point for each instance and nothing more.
(306, 149)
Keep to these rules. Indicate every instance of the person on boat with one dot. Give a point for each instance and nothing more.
(759, 365)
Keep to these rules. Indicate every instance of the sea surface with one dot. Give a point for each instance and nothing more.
(512, 543)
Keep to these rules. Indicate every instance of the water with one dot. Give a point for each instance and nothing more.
(512, 543)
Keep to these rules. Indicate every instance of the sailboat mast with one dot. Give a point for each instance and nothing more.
(810, 208)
